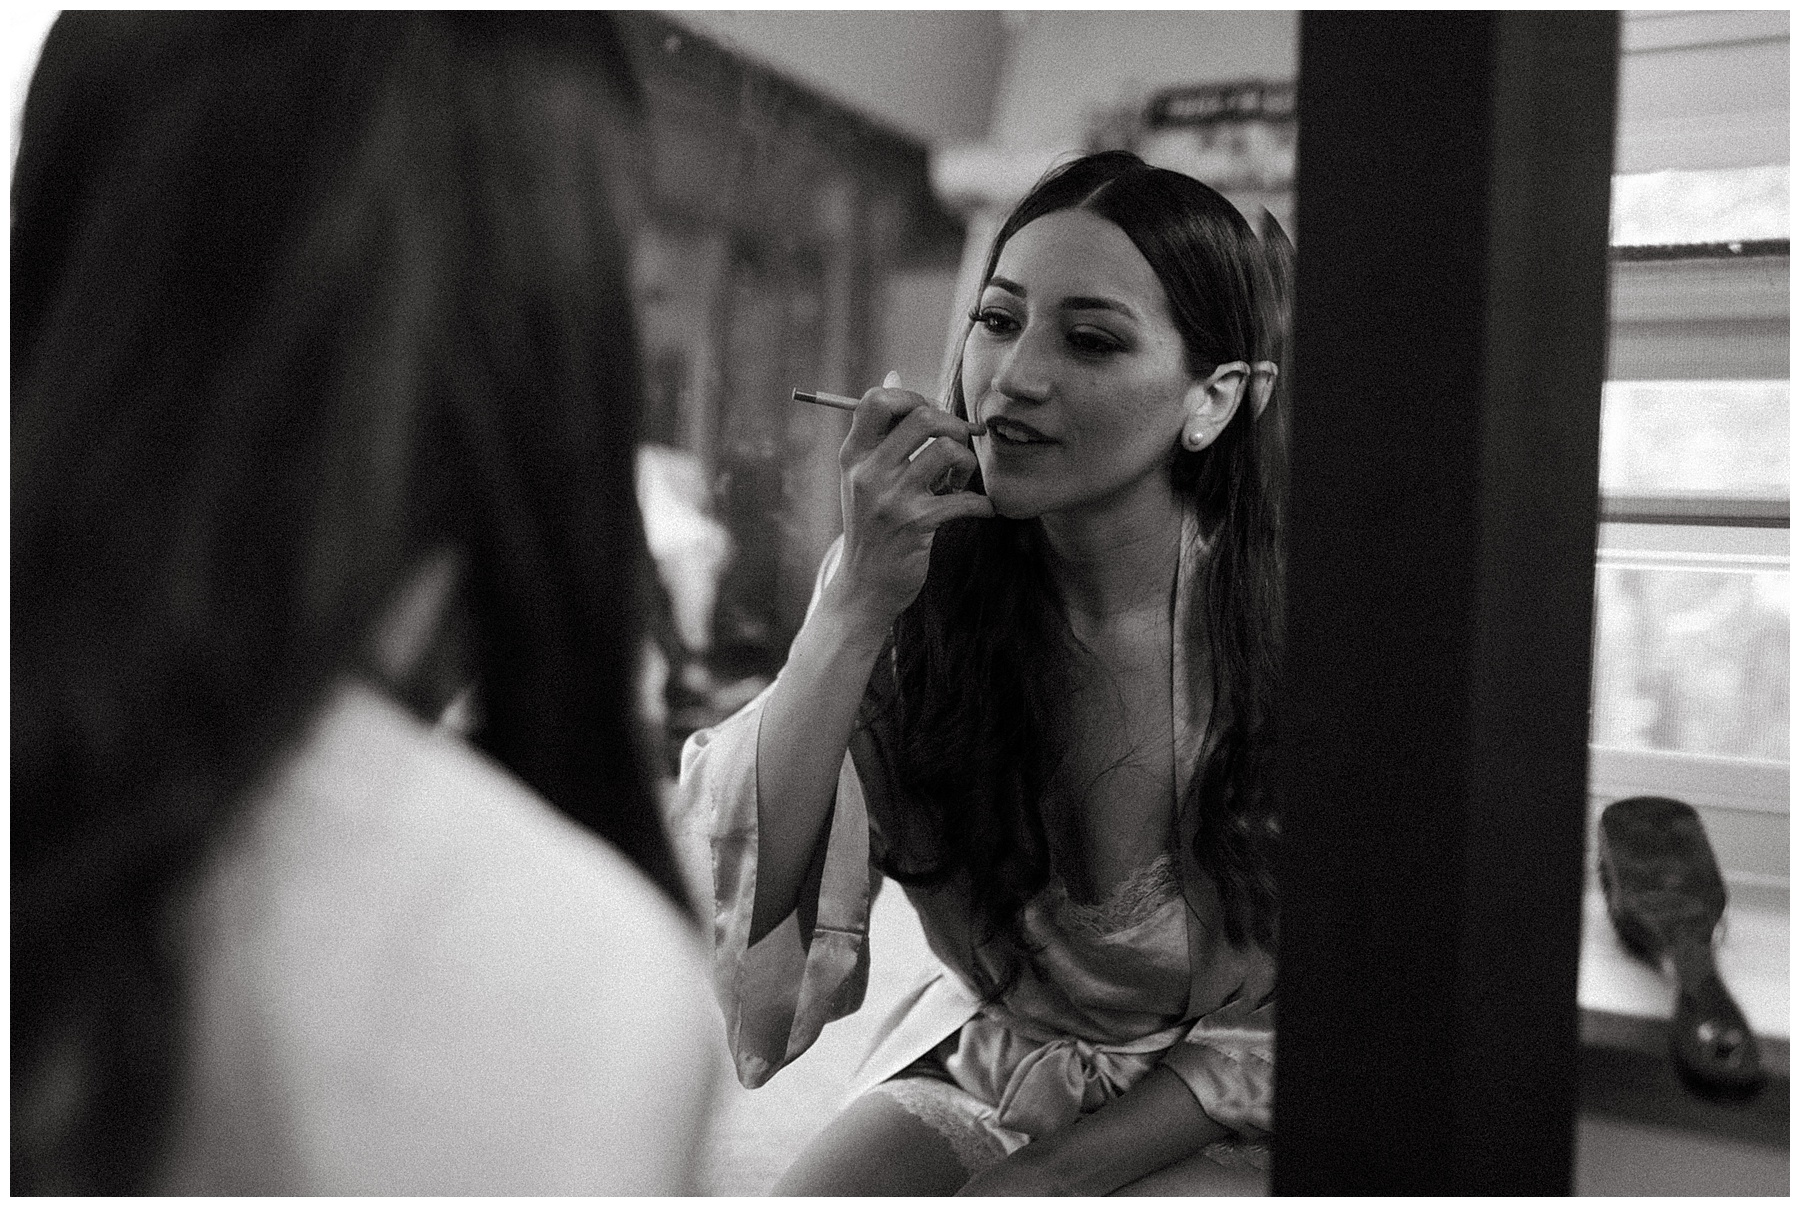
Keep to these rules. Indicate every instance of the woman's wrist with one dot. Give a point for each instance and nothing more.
(1071, 1168)
(854, 618)
(1155, 1124)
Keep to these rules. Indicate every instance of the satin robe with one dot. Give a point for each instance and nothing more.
(1091, 1014)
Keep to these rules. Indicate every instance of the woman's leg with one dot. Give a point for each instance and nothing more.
(880, 1147)
(1199, 1176)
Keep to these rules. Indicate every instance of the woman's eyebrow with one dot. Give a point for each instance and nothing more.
(1074, 303)
(1068, 303)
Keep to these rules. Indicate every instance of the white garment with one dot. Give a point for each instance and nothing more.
(408, 974)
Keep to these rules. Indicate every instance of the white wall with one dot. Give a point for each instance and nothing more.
(927, 74)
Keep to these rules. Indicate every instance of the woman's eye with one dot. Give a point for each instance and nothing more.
(995, 322)
(1092, 343)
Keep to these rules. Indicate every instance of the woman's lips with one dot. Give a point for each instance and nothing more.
(1012, 431)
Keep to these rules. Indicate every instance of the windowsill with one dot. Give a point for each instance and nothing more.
(1626, 1005)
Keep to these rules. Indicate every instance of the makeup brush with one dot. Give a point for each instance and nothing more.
(821, 399)
(841, 403)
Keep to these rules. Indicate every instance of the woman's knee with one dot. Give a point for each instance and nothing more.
(875, 1147)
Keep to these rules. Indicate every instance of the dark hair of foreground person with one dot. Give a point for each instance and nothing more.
(297, 299)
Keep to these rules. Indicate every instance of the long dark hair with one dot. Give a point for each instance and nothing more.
(296, 299)
(985, 646)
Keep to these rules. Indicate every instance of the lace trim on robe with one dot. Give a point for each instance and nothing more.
(1133, 901)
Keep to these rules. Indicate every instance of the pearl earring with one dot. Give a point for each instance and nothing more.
(1196, 441)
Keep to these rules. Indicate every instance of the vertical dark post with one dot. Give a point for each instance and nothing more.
(1454, 173)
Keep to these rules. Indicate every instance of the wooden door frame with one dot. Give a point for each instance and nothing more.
(1453, 193)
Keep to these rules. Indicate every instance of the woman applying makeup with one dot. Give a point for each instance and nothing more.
(1060, 750)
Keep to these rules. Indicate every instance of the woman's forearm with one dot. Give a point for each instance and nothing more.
(899, 447)
(1154, 1124)
(806, 726)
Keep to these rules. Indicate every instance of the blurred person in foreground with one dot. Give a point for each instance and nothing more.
(324, 405)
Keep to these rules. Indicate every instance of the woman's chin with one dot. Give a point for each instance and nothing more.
(1012, 501)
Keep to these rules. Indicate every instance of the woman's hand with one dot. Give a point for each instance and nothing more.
(1154, 1124)
(900, 452)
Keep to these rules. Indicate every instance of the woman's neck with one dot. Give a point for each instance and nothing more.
(1117, 558)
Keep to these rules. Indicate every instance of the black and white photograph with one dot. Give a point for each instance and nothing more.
(873, 602)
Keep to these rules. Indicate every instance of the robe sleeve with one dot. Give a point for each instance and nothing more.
(814, 966)
(1227, 1058)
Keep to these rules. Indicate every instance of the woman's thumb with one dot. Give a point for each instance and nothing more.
(892, 380)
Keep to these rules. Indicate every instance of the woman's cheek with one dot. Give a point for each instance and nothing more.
(974, 382)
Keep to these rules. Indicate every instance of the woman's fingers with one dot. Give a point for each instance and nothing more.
(901, 452)
(888, 489)
(889, 417)
(957, 505)
(906, 442)
(875, 418)
(940, 465)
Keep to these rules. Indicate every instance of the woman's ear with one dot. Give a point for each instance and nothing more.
(1211, 402)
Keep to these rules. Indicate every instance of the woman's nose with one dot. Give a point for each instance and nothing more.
(1024, 373)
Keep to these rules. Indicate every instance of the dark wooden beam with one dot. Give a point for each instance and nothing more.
(1454, 174)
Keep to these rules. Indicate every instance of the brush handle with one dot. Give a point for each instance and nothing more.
(1712, 1044)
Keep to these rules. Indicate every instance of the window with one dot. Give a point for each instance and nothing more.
(1691, 623)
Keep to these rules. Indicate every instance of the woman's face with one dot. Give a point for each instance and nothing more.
(1076, 366)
